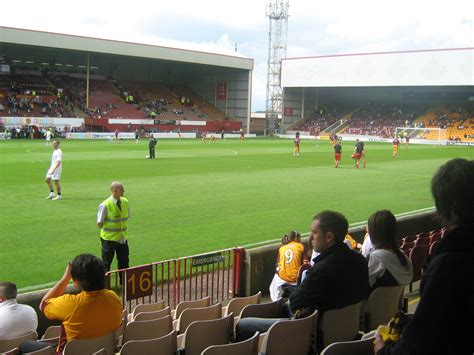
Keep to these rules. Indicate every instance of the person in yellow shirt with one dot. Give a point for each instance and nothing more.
(92, 313)
(290, 259)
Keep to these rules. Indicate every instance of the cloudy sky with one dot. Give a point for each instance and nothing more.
(315, 27)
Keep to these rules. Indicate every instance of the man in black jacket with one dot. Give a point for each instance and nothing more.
(443, 320)
(338, 278)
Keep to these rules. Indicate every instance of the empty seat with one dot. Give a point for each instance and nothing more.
(52, 334)
(149, 307)
(263, 310)
(237, 304)
(45, 351)
(147, 329)
(203, 302)
(289, 336)
(166, 345)
(246, 347)
(193, 314)
(153, 315)
(356, 347)
(201, 334)
(381, 305)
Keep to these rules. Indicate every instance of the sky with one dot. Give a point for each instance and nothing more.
(314, 27)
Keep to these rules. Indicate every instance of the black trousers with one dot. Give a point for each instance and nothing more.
(152, 152)
(109, 249)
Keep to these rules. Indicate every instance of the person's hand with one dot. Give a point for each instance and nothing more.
(67, 273)
(378, 343)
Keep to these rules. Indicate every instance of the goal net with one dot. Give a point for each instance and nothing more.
(433, 134)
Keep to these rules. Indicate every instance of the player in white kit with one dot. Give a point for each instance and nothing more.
(54, 173)
(48, 137)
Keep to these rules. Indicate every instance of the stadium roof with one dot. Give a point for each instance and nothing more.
(165, 50)
(436, 67)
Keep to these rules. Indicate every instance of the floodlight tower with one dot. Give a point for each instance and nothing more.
(277, 13)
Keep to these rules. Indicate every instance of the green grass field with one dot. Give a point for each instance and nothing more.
(193, 198)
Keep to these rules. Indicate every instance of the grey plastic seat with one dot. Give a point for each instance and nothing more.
(356, 347)
(14, 343)
(381, 306)
(166, 345)
(246, 347)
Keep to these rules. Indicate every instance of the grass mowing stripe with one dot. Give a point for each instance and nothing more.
(201, 197)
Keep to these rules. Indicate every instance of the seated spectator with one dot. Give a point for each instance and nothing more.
(290, 258)
(15, 319)
(338, 278)
(92, 313)
(367, 246)
(388, 265)
(442, 322)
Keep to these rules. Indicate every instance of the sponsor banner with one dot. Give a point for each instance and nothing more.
(351, 138)
(41, 121)
(99, 135)
(221, 91)
(191, 123)
(126, 121)
(173, 135)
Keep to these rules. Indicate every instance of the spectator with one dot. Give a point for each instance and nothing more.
(442, 322)
(15, 319)
(338, 278)
(290, 259)
(92, 313)
(388, 265)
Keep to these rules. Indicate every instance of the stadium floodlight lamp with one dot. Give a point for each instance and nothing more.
(16, 61)
(45, 63)
(94, 67)
(69, 65)
(81, 66)
(58, 64)
(29, 62)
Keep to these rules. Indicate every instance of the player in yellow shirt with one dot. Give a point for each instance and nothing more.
(395, 144)
(290, 258)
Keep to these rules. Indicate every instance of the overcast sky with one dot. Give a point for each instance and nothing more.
(314, 27)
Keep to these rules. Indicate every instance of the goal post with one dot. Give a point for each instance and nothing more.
(433, 134)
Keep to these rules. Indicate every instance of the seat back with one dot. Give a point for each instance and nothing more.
(153, 315)
(201, 334)
(356, 347)
(263, 310)
(246, 347)
(289, 336)
(236, 305)
(381, 306)
(193, 314)
(338, 325)
(49, 350)
(13, 343)
(203, 302)
(149, 307)
(90, 346)
(418, 257)
(166, 345)
(147, 329)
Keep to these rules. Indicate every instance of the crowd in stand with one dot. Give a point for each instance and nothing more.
(339, 277)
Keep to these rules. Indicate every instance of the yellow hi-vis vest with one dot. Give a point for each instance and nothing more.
(115, 223)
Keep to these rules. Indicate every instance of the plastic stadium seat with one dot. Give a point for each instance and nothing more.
(166, 345)
(45, 351)
(263, 310)
(422, 241)
(149, 307)
(203, 302)
(52, 334)
(89, 346)
(147, 329)
(331, 329)
(201, 334)
(381, 305)
(193, 314)
(276, 340)
(246, 347)
(237, 304)
(13, 343)
(356, 347)
(153, 315)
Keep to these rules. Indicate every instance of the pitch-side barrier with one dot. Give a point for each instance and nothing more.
(217, 275)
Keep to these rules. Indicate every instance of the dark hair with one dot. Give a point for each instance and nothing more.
(452, 188)
(330, 221)
(8, 290)
(290, 237)
(382, 230)
(88, 270)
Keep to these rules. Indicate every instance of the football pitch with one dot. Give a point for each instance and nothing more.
(194, 197)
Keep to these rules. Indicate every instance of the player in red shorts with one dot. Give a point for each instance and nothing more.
(296, 150)
(337, 154)
(358, 149)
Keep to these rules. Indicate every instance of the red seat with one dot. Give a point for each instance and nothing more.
(422, 241)
(418, 256)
